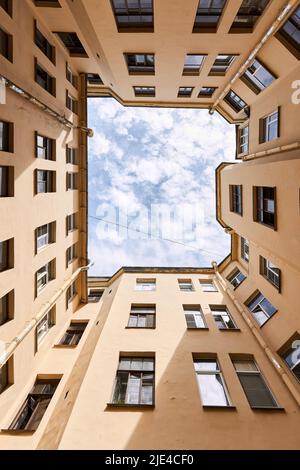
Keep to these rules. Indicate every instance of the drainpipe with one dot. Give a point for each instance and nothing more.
(33, 322)
(273, 151)
(5, 82)
(258, 336)
(269, 33)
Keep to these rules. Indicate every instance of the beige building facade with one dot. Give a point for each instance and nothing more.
(165, 358)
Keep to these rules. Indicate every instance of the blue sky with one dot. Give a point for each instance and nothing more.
(153, 170)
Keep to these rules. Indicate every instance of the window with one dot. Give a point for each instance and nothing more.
(133, 15)
(71, 103)
(269, 127)
(144, 90)
(210, 381)
(140, 63)
(236, 278)
(207, 92)
(208, 16)
(247, 15)
(145, 284)
(73, 334)
(45, 147)
(289, 34)
(194, 317)
(265, 205)
(45, 181)
(94, 79)
(221, 64)
(44, 275)
(193, 64)
(134, 383)
(6, 45)
(44, 236)
(44, 79)
(243, 140)
(260, 308)
(256, 390)
(71, 292)
(185, 285)
(208, 285)
(7, 6)
(291, 355)
(71, 155)
(6, 136)
(142, 316)
(70, 76)
(185, 91)
(258, 77)
(222, 317)
(245, 249)
(6, 254)
(235, 101)
(72, 181)
(95, 295)
(71, 223)
(72, 42)
(270, 272)
(44, 325)
(7, 307)
(236, 199)
(35, 406)
(6, 181)
(43, 44)
(71, 254)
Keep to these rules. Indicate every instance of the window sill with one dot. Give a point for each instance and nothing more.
(65, 346)
(17, 432)
(193, 328)
(267, 408)
(128, 407)
(140, 327)
(229, 329)
(219, 407)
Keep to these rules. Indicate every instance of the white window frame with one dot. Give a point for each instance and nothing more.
(208, 285)
(145, 284)
(218, 372)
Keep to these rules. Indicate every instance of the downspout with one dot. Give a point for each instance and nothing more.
(33, 322)
(258, 336)
(270, 32)
(273, 151)
(5, 82)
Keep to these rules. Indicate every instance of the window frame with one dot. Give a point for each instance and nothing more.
(138, 311)
(206, 282)
(188, 309)
(285, 39)
(252, 300)
(265, 126)
(234, 276)
(182, 282)
(236, 199)
(243, 146)
(264, 270)
(241, 27)
(222, 310)
(190, 70)
(215, 70)
(143, 69)
(135, 27)
(49, 50)
(259, 204)
(141, 371)
(184, 94)
(49, 320)
(208, 372)
(257, 373)
(208, 27)
(50, 82)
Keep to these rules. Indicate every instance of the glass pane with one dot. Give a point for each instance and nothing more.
(206, 365)
(212, 390)
(256, 390)
(242, 366)
(133, 389)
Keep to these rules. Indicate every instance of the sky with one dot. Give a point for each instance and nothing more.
(152, 186)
